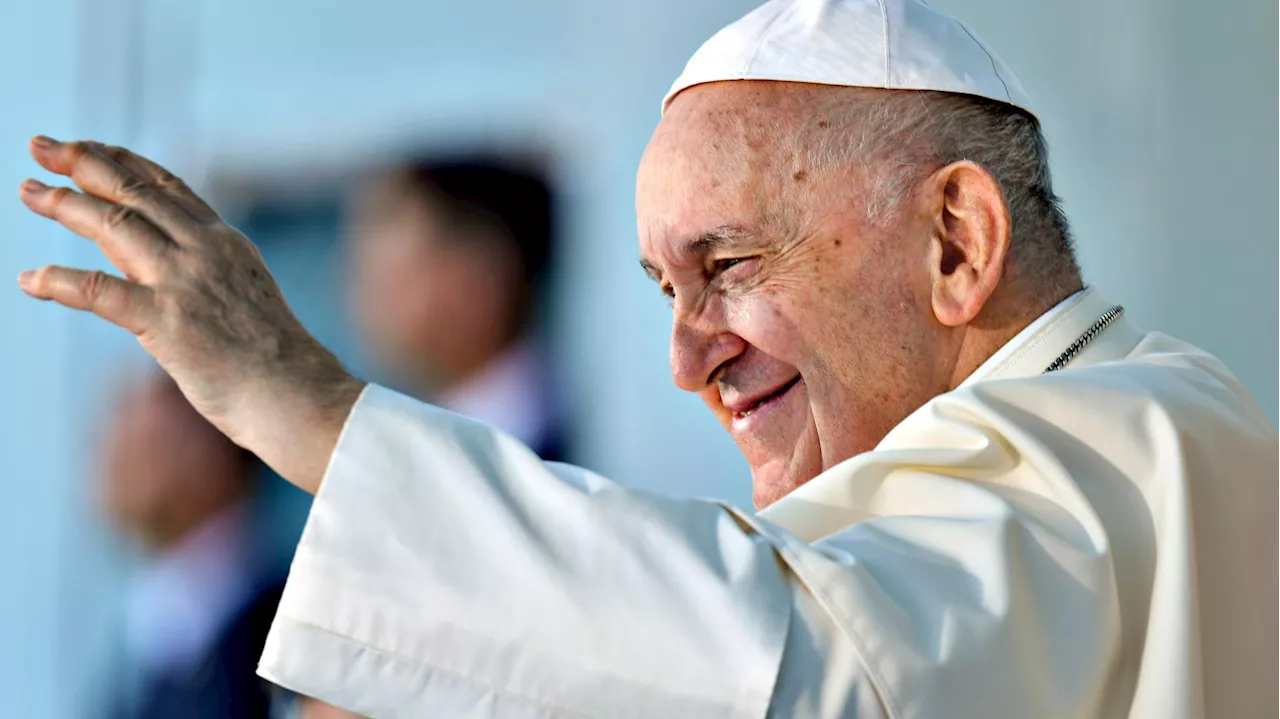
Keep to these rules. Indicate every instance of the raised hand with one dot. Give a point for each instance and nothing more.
(197, 295)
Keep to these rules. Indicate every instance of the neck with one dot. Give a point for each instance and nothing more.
(1000, 322)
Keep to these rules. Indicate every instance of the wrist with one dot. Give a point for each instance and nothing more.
(292, 420)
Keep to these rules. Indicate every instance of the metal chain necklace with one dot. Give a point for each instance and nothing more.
(1094, 330)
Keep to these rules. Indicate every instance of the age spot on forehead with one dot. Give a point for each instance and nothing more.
(799, 175)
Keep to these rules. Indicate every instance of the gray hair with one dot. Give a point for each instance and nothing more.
(898, 137)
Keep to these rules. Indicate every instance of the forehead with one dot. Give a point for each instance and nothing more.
(726, 161)
(382, 192)
(388, 207)
(725, 131)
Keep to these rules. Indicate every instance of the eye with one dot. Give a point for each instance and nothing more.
(721, 266)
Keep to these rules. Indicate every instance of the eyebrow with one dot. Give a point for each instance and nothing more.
(707, 241)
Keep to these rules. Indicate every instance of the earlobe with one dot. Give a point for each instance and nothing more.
(972, 234)
(953, 290)
(948, 311)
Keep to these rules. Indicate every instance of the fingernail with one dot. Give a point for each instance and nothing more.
(43, 141)
(33, 186)
(25, 278)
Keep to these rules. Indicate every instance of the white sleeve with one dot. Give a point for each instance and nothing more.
(446, 571)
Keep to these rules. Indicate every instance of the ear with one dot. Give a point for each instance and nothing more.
(971, 234)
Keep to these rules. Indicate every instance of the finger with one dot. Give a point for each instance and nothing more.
(131, 243)
(115, 300)
(163, 180)
(102, 177)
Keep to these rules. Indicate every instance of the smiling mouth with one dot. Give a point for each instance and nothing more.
(767, 399)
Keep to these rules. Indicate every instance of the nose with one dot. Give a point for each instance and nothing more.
(698, 351)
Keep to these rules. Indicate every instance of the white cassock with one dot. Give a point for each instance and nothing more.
(1097, 541)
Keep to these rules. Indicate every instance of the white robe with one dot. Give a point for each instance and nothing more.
(1097, 541)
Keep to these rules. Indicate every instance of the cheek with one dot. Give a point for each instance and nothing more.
(454, 292)
(786, 324)
(382, 276)
(769, 322)
(133, 491)
(389, 311)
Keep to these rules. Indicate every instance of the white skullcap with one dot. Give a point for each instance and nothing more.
(888, 44)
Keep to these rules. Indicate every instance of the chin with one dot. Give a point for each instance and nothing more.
(778, 476)
(771, 483)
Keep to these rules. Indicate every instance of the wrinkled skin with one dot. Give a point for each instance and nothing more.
(199, 298)
(791, 295)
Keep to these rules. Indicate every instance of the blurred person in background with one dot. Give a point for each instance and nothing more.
(198, 614)
(450, 255)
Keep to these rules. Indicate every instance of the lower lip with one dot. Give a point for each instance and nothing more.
(762, 412)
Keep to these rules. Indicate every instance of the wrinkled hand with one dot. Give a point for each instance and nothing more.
(199, 298)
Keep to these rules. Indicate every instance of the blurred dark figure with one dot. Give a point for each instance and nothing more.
(450, 258)
(197, 617)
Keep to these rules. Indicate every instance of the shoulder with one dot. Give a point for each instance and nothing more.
(1162, 381)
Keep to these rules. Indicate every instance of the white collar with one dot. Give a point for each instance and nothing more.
(1033, 349)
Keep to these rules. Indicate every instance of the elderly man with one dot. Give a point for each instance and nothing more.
(984, 492)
